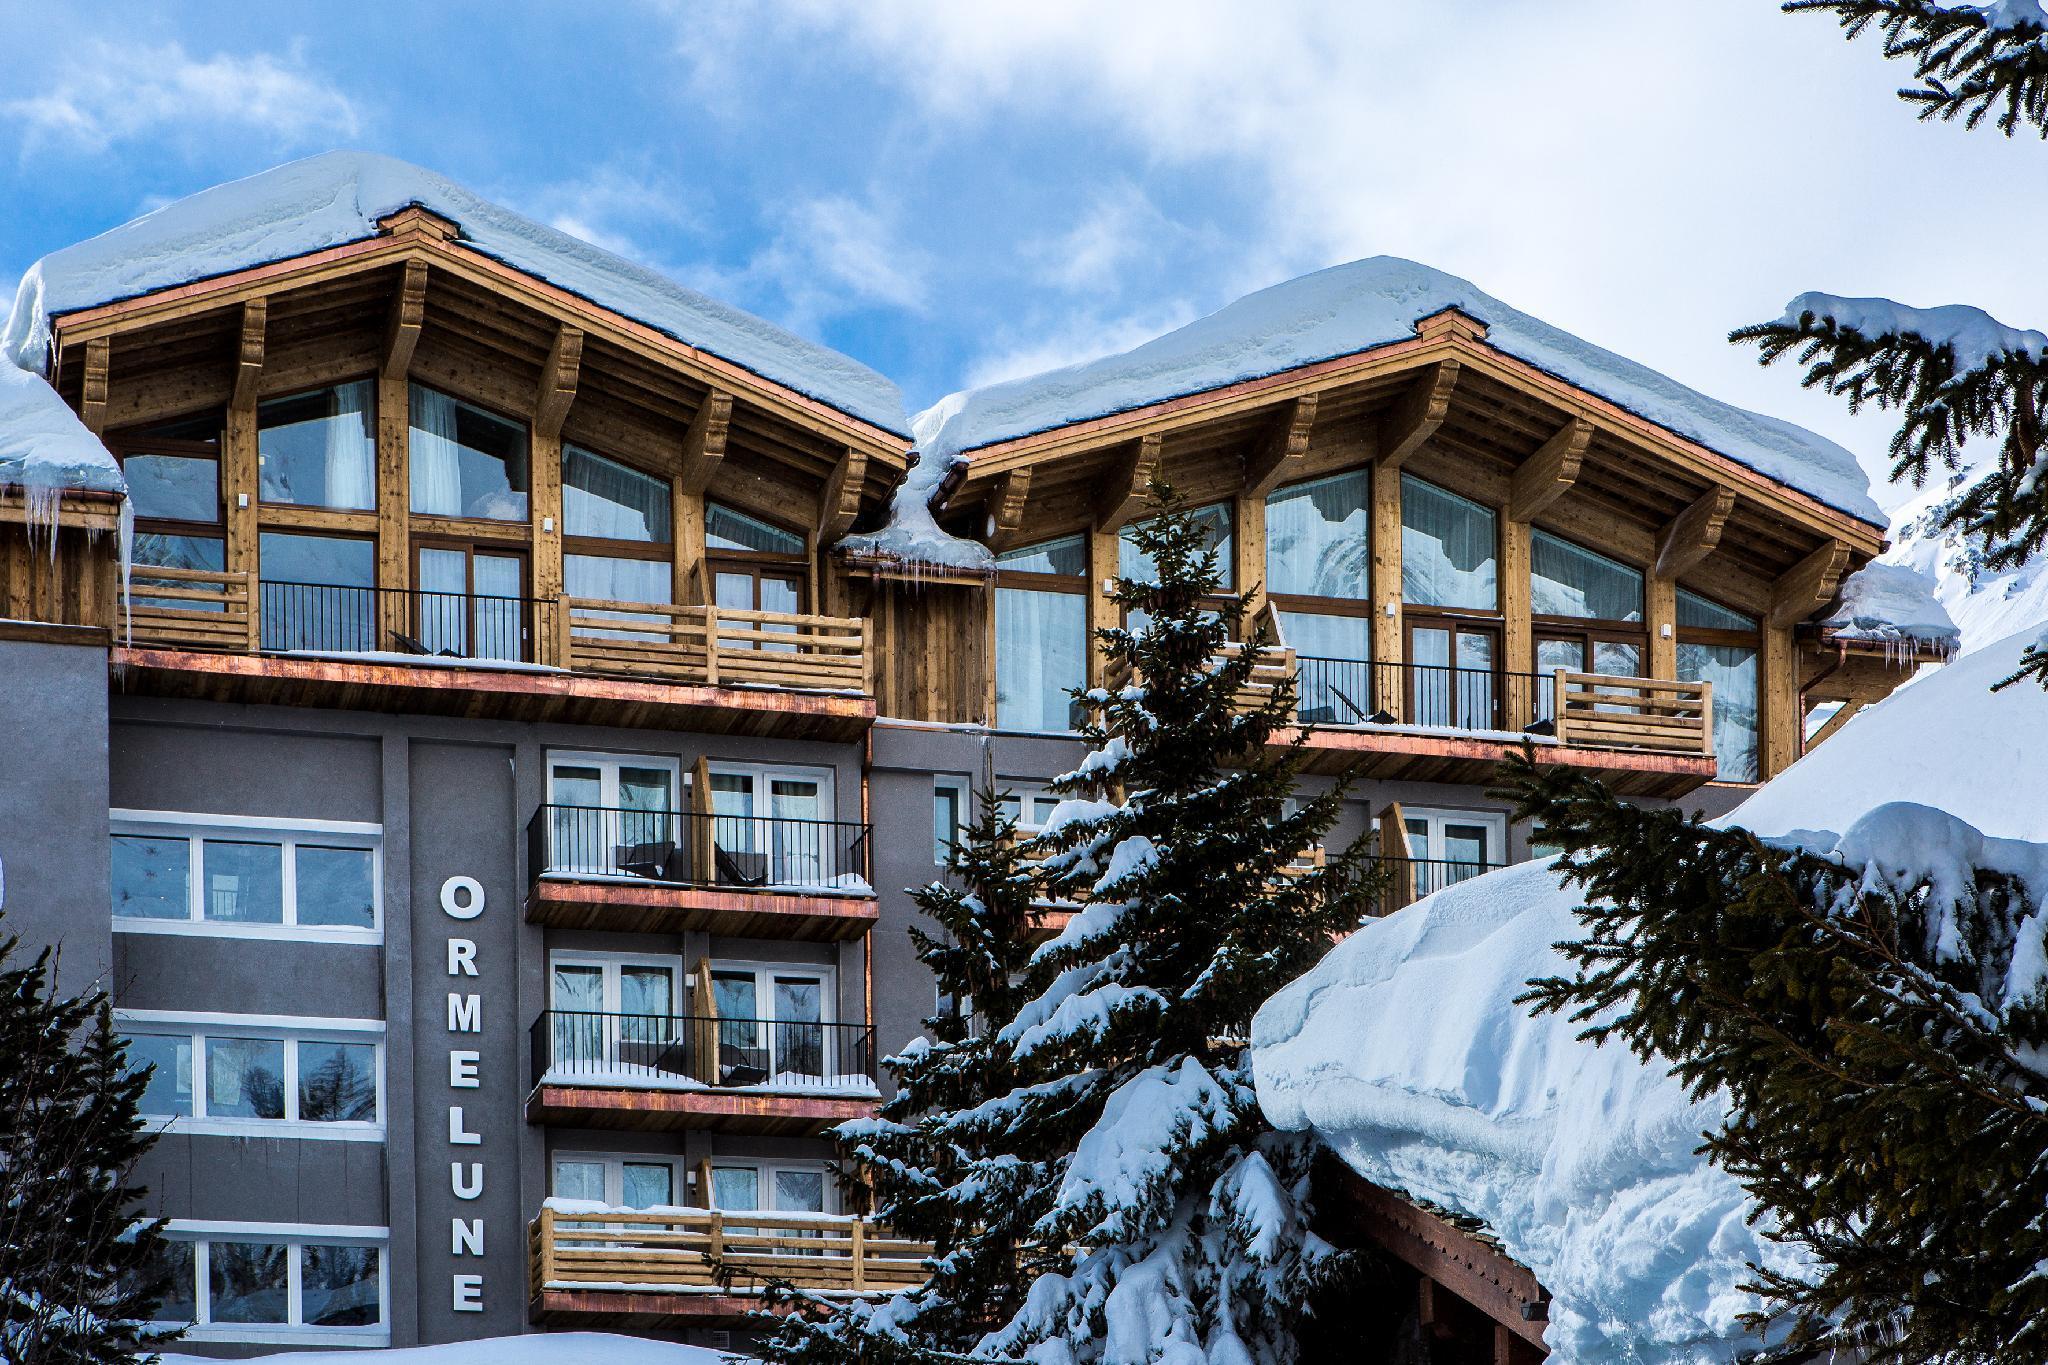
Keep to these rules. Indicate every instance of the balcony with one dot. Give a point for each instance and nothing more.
(1428, 722)
(1410, 879)
(651, 1268)
(598, 867)
(642, 1071)
(230, 636)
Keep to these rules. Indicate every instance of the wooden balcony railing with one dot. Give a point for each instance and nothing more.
(682, 1250)
(1635, 713)
(192, 609)
(718, 646)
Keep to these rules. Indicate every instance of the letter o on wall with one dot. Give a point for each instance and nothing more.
(462, 898)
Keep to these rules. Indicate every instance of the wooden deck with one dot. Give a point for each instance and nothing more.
(567, 903)
(1393, 754)
(647, 1109)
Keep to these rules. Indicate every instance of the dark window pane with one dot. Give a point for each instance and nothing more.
(465, 462)
(338, 1286)
(337, 887)
(725, 529)
(247, 1281)
(175, 487)
(179, 1283)
(319, 449)
(152, 877)
(338, 1082)
(168, 1058)
(244, 1078)
(605, 499)
(243, 883)
(319, 592)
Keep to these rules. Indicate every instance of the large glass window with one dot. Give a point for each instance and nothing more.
(725, 529)
(471, 602)
(1719, 646)
(1135, 564)
(319, 449)
(1319, 538)
(754, 567)
(611, 501)
(256, 1081)
(466, 462)
(182, 487)
(319, 592)
(171, 878)
(1570, 580)
(173, 474)
(268, 1284)
(1448, 549)
(1041, 634)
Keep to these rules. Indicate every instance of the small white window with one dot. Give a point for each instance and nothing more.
(1450, 846)
(773, 1187)
(232, 876)
(1030, 806)
(277, 1283)
(618, 1181)
(952, 814)
(249, 1076)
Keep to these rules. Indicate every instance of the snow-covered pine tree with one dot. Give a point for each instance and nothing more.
(1971, 59)
(1877, 1019)
(80, 1267)
(937, 1161)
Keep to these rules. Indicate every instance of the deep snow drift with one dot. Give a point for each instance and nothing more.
(338, 197)
(537, 1348)
(1404, 1052)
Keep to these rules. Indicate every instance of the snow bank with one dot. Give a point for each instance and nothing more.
(1404, 1052)
(1892, 604)
(538, 1348)
(338, 197)
(44, 448)
(1357, 307)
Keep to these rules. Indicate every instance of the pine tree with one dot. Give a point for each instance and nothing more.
(80, 1267)
(1971, 58)
(1879, 1035)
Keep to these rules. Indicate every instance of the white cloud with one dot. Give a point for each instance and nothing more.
(1070, 340)
(107, 93)
(833, 255)
(1120, 227)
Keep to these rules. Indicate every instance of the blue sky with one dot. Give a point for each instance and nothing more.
(960, 192)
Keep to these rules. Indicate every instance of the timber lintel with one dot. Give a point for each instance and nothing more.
(1420, 411)
(249, 355)
(1694, 533)
(1544, 477)
(704, 442)
(1810, 584)
(1127, 483)
(558, 382)
(1280, 456)
(408, 312)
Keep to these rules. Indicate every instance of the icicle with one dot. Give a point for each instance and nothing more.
(127, 551)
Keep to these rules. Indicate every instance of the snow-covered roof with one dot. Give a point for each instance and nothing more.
(539, 1348)
(1357, 307)
(1891, 603)
(44, 448)
(338, 197)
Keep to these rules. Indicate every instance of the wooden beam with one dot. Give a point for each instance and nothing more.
(1694, 533)
(1279, 458)
(1127, 484)
(558, 382)
(704, 443)
(92, 402)
(839, 504)
(1385, 587)
(1420, 411)
(408, 313)
(1543, 478)
(1810, 584)
(1006, 502)
(249, 357)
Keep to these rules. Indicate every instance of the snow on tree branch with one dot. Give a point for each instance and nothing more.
(1971, 60)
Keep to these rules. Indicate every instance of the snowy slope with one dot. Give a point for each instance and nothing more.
(1986, 605)
(1404, 1050)
(44, 448)
(1359, 306)
(338, 197)
(539, 1348)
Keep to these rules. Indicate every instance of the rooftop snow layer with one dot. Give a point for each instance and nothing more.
(540, 1348)
(338, 197)
(1359, 306)
(1891, 602)
(43, 446)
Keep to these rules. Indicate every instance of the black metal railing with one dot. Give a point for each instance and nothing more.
(585, 1047)
(1362, 692)
(330, 617)
(1427, 876)
(694, 848)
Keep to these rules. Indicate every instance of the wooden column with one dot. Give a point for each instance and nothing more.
(549, 576)
(1102, 611)
(703, 451)
(1386, 581)
(1518, 639)
(394, 505)
(1249, 555)
(1778, 683)
(241, 480)
(1660, 612)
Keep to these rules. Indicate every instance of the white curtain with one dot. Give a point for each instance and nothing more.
(1040, 639)
(350, 449)
(1447, 557)
(604, 499)
(435, 455)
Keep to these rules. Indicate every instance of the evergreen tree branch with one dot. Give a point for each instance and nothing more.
(1971, 60)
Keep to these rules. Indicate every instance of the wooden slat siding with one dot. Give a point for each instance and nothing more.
(62, 577)
(1634, 713)
(570, 904)
(929, 651)
(720, 646)
(679, 1252)
(714, 1111)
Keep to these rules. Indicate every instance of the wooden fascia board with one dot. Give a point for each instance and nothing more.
(813, 415)
(985, 463)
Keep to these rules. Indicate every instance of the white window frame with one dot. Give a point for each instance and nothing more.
(1496, 822)
(613, 991)
(202, 1233)
(963, 814)
(761, 774)
(615, 1164)
(610, 763)
(290, 1030)
(195, 829)
(764, 1172)
(1029, 796)
(764, 985)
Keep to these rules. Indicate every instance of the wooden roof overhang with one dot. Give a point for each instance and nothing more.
(78, 509)
(1456, 410)
(714, 1111)
(570, 903)
(417, 299)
